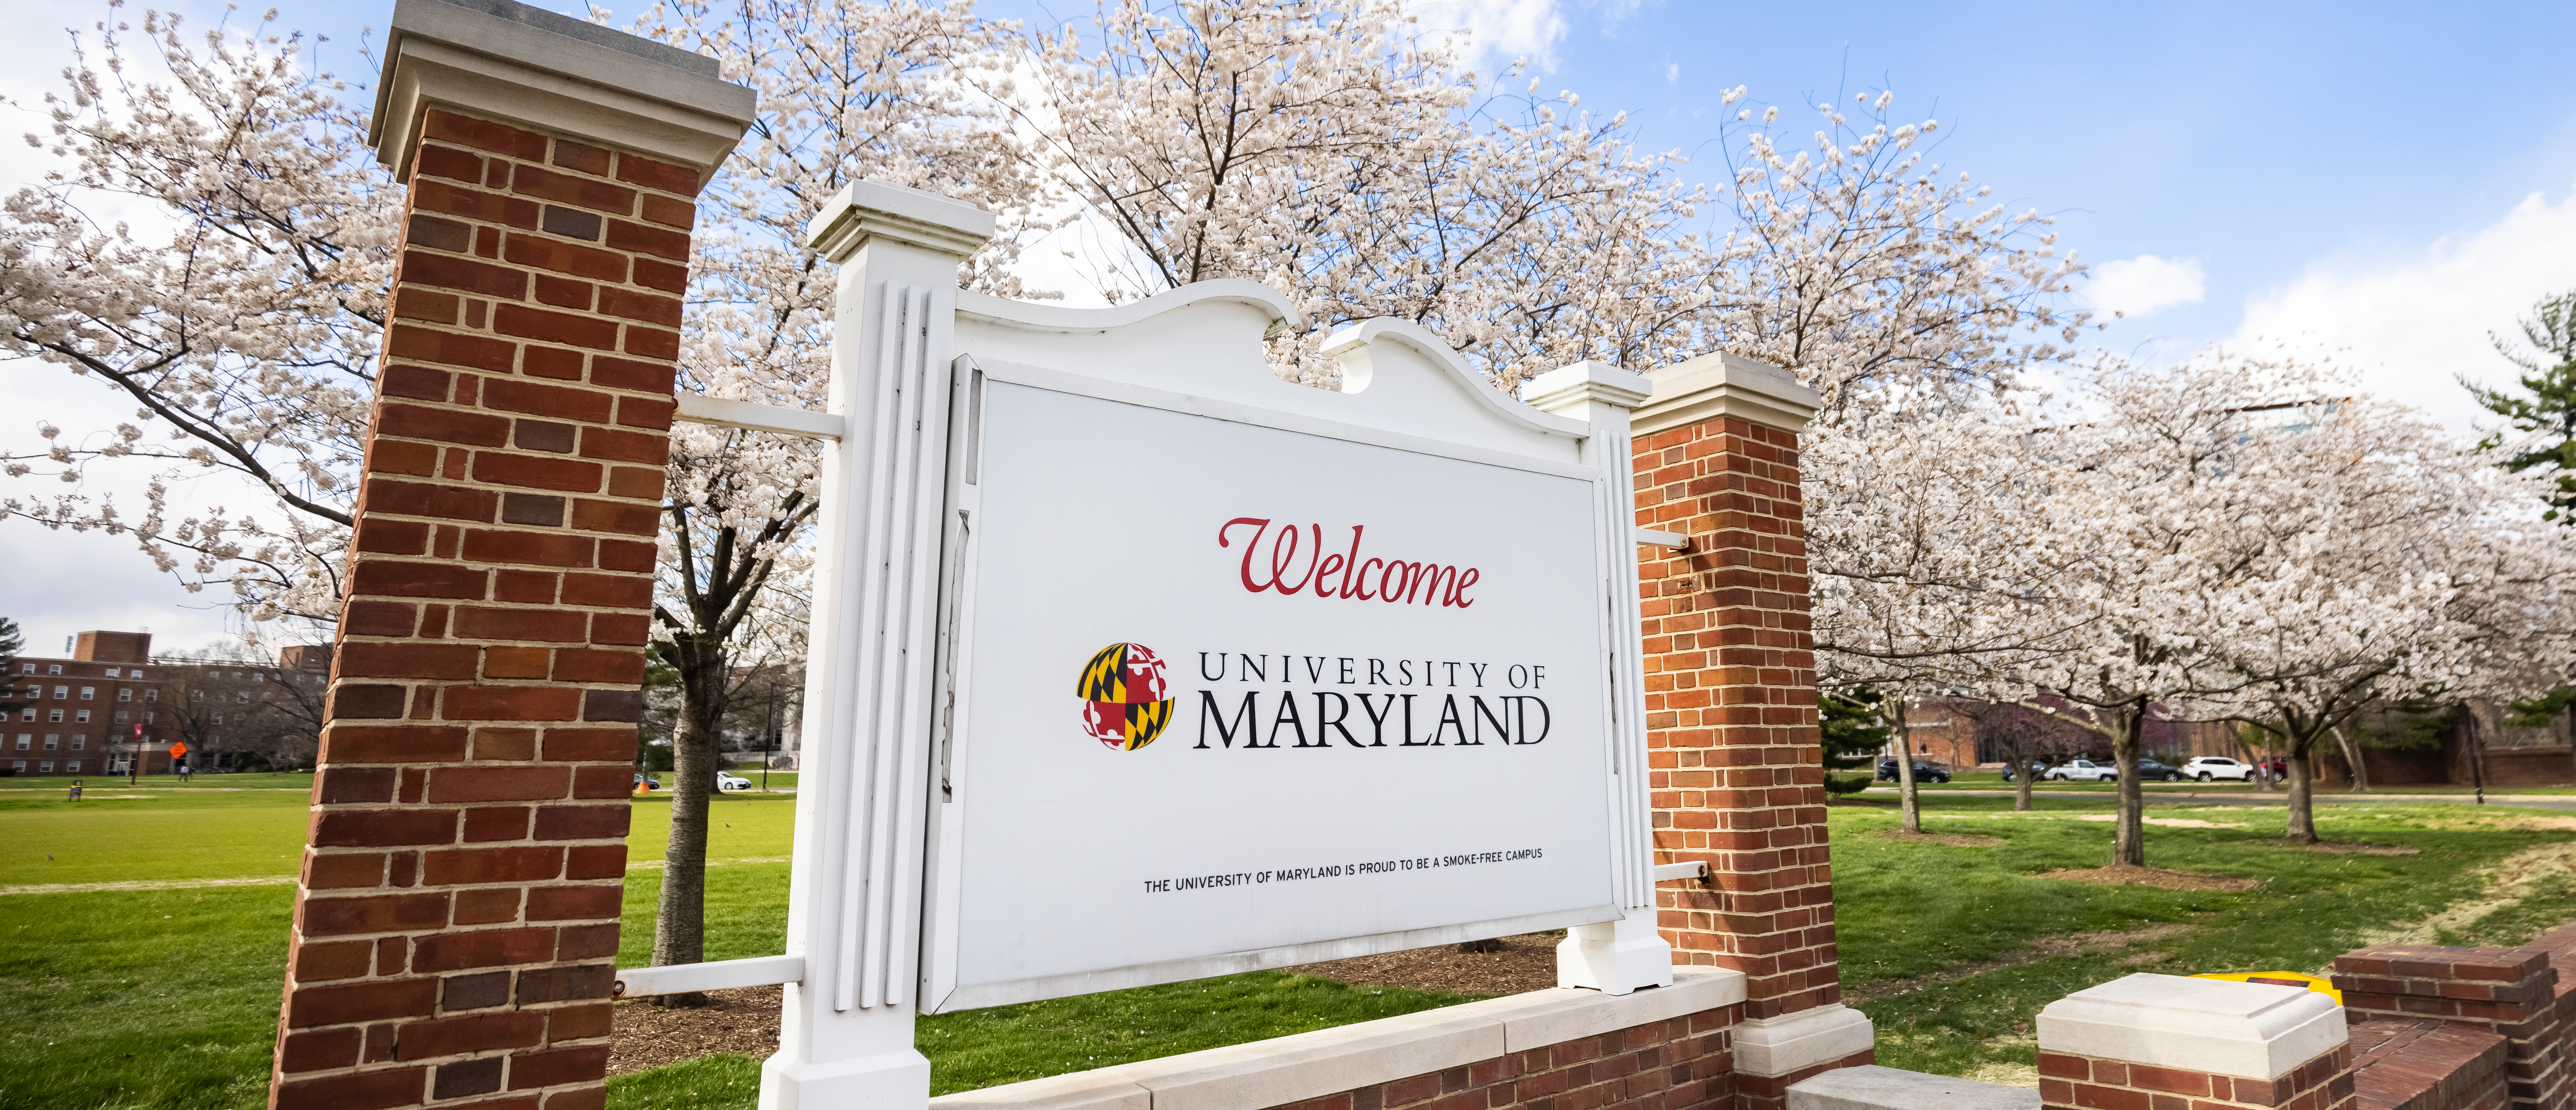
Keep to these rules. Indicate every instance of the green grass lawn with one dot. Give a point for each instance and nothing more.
(1909, 909)
(1989, 780)
(98, 784)
(168, 998)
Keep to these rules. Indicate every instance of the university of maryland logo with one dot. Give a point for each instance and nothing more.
(1122, 694)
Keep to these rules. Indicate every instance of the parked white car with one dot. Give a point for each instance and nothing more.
(2209, 767)
(728, 782)
(2083, 770)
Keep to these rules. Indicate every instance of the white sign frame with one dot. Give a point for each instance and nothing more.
(865, 940)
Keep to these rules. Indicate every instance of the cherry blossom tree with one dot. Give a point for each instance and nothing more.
(1876, 276)
(1927, 574)
(847, 91)
(214, 248)
(1334, 154)
(2379, 558)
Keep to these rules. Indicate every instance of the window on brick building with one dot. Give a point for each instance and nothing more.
(219, 718)
(81, 717)
(62, 691)
(17, 765)
(152, 695)
(111, 672)
(27, 715)
(72, 768)
(54, 716)
(89, 693)
(80, 741)
(26, 668)
(26, 741)
(136, 673)
(125, 694)
(121, 716)
(54, 668)
(45, 768)
(53, 740)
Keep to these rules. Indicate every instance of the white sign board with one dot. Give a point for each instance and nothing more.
(1225, 688)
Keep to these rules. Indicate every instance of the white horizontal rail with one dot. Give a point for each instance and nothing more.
(1652, 538)
(759, 418)
(1696, 869)
(759, 971)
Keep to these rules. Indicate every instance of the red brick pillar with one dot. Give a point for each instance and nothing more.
(457, 916)
(2512, 992)
(1733, 747)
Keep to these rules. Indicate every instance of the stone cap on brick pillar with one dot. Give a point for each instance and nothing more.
(2251, 1030)
(1721, 384)
(480, 56)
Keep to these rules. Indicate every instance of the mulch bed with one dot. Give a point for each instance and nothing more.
(2125, 875)
(744, 1021)
(1526, 963)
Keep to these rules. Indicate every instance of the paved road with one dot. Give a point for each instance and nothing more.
(2529, 801)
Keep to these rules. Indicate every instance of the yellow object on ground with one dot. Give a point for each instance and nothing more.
(2281, 979)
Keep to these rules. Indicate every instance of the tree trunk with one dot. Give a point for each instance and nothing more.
(679, 923)
(1909, 807)
(2477, 766)
(2022, 778)
(2303, 810)
(2129, 840)
(2352, 760)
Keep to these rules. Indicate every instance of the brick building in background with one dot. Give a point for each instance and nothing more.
(86, 714)
(111, 701)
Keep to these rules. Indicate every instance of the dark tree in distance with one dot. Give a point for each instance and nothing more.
(2544, 411)
(11, 643)
(1854, 734)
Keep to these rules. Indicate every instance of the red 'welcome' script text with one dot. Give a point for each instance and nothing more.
(1341, 574)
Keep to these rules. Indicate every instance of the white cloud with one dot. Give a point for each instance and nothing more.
(1672, 72)
(1494, 32)
(2412, 324)
(2136, 287)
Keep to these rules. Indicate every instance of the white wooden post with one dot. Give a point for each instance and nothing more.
(1615, 957)
(854, 901)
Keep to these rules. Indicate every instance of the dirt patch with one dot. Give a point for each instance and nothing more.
(2045, 948)
(2125, 875)
(2348, 848)
(143, 884)
(1955, 840)
(1526, 963)
(2511, 880)
(2168, 822)
(2517, 822)
(744, 1021)
(2061, 815)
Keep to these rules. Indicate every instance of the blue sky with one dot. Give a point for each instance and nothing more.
(2390, 180)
